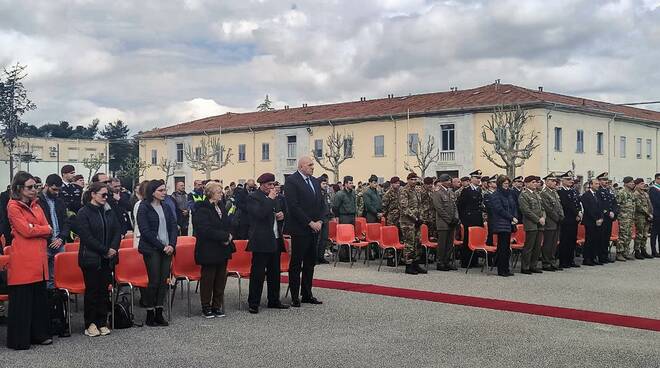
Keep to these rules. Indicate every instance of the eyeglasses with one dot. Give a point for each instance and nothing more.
(30, 187)
(103, 195)
(106, 182)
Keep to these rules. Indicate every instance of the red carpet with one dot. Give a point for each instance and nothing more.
(496, 304)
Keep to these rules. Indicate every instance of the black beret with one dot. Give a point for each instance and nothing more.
(266, 178)
(412, 175)
(348, 178)
(394, 180)
(428, 180)
(373, 178)
(638, 181)
(530, 179)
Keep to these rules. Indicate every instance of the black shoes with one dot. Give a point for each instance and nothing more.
(278, 306)
(505, 274)
(158, 319)
(218, 312)
(638, 255)
(549, 269)
(150, 318)
(207, 313)
(587, 262)
(526, 272)
(311, 300)
(534, 270)
(420, 269)
(253, 309)
(411, 269)
(646, 255)
(322, 261)
(295, 303)
(440, 267)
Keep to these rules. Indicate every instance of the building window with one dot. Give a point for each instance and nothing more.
(557, 139)
(265, 151)
(639, 147)
(318, 148)
(649, 149)
(241, 152)
(291, 147)
(622, 147)
(413, 143)
(154, 157)
(599, 143)
(447, 131)
(348, 147)
(198, 153)
(379, 146)
(579, 147)
(179, 153)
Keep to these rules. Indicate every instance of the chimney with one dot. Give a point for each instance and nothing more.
(541, 89)
(304, 105)
(497, 84)
(363, 99)
(286, 107)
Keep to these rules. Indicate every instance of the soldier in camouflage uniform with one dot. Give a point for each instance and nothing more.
(391, 202)
(626, 200)
(643, 217)
(359, 200)
(427, 212)
(409, 222)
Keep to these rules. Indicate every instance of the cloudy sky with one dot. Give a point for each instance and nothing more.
(154, 63)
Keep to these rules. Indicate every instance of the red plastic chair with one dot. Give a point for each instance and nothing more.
(477, 243)
(126, 243)
(389, 239)
(373, 233)
(383, 221)
(239, 266)
(517, 243)
(346, 236)
(332, 231)
(581, 233)
(4, 261)
(131, 271)
(426, 242)
(184, 268)
(129, 235)
(614, 237)
(71, 247)
(285, 260)
(360, 227)
(69, 278)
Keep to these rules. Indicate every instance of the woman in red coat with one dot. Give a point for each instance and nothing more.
(28, 319)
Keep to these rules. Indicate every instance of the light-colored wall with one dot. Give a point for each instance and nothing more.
(64, 152)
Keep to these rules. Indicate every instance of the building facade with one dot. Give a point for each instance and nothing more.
(44, 156)
(586, 136)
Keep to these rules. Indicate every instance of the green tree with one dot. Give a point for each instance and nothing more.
(14, 102)
(121, 147)
(266, 105)
(60, 130)
(88, 132)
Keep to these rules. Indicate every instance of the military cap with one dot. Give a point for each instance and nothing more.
(373, 178)
(347, 178)
(627, 179)
(638, 181)
(492, 178)
(444, 177)
(465, 178)
(530, 178)
(323, 178)
(603, 176)
(266, 178)
(484, 179)
(412, 175)
(476, 173)
(518, 178)
(428, 180)
(567, 175)
(394, 180)
(550, 176)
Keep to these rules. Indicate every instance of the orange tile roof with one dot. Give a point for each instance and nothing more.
(480, 98)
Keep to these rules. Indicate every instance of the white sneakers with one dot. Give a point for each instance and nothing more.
(93, 331)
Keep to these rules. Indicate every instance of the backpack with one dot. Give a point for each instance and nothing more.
(58, 312)
(123, 315)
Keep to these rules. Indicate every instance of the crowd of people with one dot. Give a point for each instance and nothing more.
(37, 220)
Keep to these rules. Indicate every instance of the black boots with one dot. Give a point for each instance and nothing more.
(411, 269)
(420, 269)
(645, 254)
(638, 255)
(150, 318)
(159, 317)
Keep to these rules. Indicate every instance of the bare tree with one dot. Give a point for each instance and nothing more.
(339, 149)
(167, 166)
(209, 156)
(506, 132)
(93, 163)
(134, 169)
(426, 153)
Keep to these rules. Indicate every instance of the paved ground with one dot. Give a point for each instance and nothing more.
(360, 330)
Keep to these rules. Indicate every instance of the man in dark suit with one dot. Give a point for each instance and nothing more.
(265, 242)
(305, 210)
(570, 203)
(593, 219)
(471, 210)
(610, 209)
(55, 210)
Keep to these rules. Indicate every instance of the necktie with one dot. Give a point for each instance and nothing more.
(309, 182)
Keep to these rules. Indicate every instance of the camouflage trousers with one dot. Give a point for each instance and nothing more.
(625, 235)
(410, 239)
(642, 226)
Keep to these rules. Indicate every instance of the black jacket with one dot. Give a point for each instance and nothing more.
(5, 226)
(212, 246)
(593, 208)
(302, 205)
(148, 224)
(60, 212)
(71, 194)
(261, 210)
(570, 204)
(122, 208)
(503, 209)
(99, 231)
(470, 206)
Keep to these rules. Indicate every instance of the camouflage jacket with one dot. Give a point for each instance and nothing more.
(643, 206)
(409, 204)
(391, 206)
(626, 201)
(427, 212)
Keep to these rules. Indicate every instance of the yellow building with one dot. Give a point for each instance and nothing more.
(589, 136)
(44, 156)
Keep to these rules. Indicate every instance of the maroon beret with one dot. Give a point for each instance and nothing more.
(639, 180)
(412, 175)
(394, 180)
(428, 180)
(266, 178)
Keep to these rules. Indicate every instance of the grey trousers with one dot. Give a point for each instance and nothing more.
(532, 250)
(445, 246)
(549, 248)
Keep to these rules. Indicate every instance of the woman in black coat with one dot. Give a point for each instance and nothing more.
(503, 220)
(213, 249)
(158, 235)
(99, 233)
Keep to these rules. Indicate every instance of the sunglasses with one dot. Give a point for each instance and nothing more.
(106, 182)
(103, 195)
(30, 187)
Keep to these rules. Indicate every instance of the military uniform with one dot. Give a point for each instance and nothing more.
(345, 207)
(372, 205)
(554, 215)
(72, 196)
(626, 202)
(570, 203)
(409, 221)
(532, 210)
(391, 206)
(642, 219)
(446, 218)
(470, 211)
(359, 201)
(427, 212)
(609, 205)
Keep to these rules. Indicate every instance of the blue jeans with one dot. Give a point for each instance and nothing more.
(51, 265)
